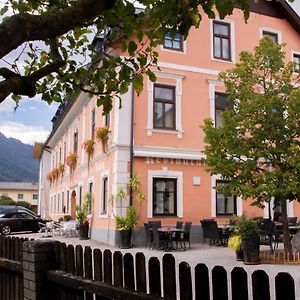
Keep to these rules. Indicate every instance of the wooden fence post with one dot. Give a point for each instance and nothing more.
(219, 282)
(285, 287)
(38, 258)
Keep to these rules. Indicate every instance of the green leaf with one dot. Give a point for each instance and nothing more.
(132, 46)
(3, 10)
(151, 75)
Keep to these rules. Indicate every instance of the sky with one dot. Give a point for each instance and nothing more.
(31, 121)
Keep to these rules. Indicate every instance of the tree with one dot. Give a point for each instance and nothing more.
(64, 61)
(257, 147)
(5, 200)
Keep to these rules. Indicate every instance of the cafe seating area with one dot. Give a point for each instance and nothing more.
(171, 238)
(214, 234)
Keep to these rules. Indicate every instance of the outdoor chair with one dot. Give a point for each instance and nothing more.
(266, 232)
(177, 237)
(213, 233)
(158, 223)
(206, 229)
(186, 236)
(292, 221)
(149, 236)
(160, 241)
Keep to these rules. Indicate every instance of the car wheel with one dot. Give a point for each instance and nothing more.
(5, 230)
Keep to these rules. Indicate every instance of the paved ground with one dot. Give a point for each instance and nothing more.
(199, 253)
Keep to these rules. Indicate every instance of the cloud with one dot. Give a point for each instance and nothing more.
(8, 105)
(25, 133)
(32, 108)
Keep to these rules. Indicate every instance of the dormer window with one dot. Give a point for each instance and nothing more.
(175, 43)
(271, 35)
(296, 59)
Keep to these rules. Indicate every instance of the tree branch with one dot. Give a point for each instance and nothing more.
(24, 85)
(24, 27)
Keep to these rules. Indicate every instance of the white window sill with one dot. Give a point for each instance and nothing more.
(223, 60)
(165, 131)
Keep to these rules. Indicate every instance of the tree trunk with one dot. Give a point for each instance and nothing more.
(285, 225)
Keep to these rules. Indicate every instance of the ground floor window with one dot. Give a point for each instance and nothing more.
(226, 205)
(104, 196)
(164, 196)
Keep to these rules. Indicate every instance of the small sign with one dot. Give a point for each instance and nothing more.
(196, 180)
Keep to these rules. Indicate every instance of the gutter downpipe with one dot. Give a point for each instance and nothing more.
(131, 143)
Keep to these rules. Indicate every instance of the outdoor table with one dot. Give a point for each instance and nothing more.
(169, 231)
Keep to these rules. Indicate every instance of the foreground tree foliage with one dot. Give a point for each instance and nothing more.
(64, 60)
(257, 148)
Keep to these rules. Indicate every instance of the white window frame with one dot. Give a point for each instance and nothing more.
(178, 107)
(271, 30)
(104, 174)
(176, 51)
(239, 200)
(165, 173)
(232, 41)
(212, 90)
(292, 56)
(91, 180)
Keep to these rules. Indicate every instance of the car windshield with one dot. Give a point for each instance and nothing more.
(2, 215)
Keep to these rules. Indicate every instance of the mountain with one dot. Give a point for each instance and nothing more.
(16, 161)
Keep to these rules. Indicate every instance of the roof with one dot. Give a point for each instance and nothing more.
(28, 186)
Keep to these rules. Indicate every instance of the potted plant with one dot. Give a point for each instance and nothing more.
(88, 146)
(235, 244)
(61, 169)
(55, 173)
(248, 231)
(71, 161)
(81, 217)
(50, 176)
(102, 136)
(125, 226)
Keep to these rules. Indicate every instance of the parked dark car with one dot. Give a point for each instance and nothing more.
(18, 219)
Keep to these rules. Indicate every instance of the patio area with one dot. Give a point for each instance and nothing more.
(211, 256)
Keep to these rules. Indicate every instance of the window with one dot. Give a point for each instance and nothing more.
(296, 59)
(20, 196)
(221, 40)
(63, 202)
(226, 205)
(104, 195)
(221, 104)
(68, 201)
(91, 191)
(107, 120)
(34, 196)
(164, 107)
(75, 142)
(272, 35)
(58, 204)
(65, 151)
(80, 195)
(164, 196)
(175, 43)
(93, 123)
(60, 155)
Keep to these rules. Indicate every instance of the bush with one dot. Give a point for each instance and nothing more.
(24, 204)
(5, 200)
(66, 218)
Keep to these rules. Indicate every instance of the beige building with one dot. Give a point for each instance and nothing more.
(20, 191)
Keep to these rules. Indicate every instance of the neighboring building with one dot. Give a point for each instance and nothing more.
(164, 138)
(21, 191)
(44, 155)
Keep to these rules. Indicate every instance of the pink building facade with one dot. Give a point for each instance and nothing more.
(157, 135)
